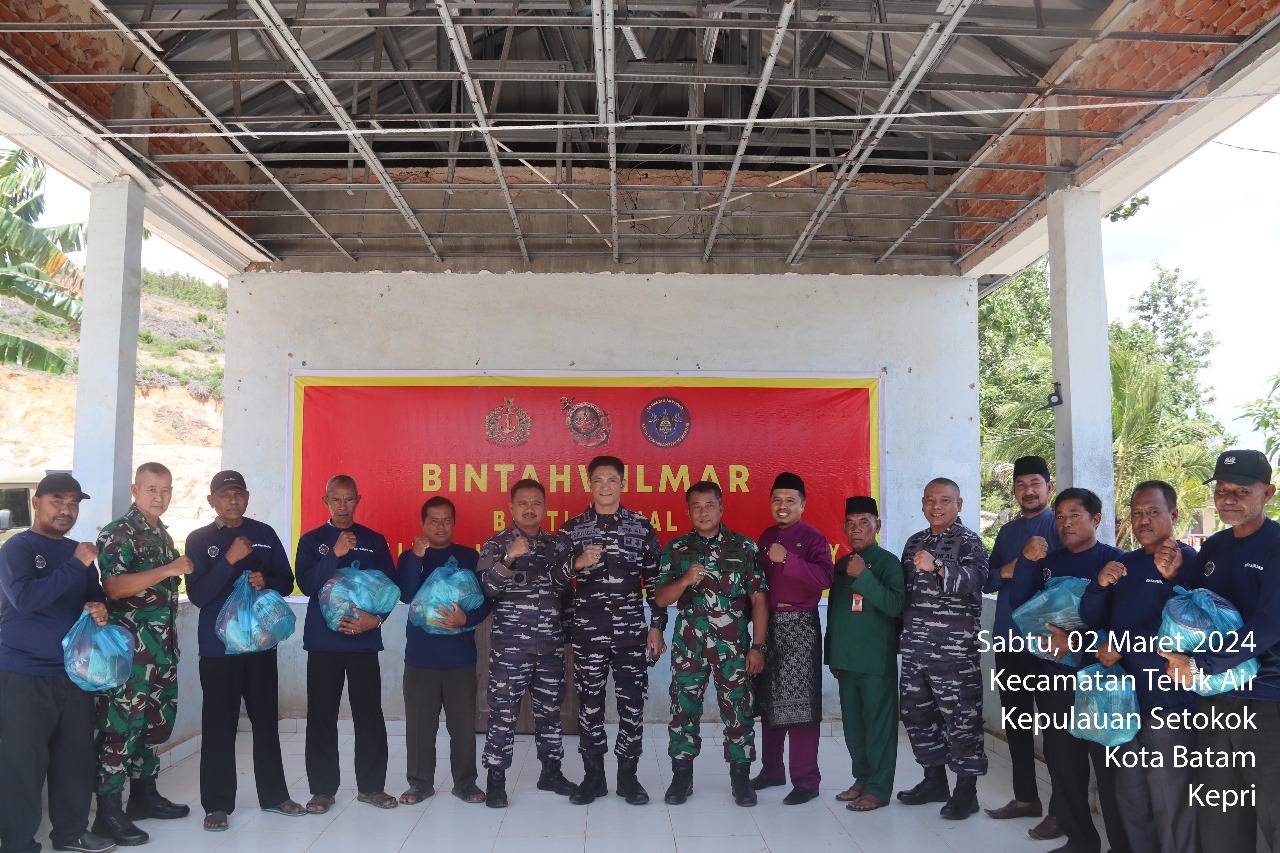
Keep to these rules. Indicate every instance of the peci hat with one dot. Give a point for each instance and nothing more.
(1242, 467)
(60, 483)
(787, 480)
(860, 504)
(1024, 465)
(225, 480)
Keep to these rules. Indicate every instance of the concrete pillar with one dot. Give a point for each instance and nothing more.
(1081, 354)
(103, 459)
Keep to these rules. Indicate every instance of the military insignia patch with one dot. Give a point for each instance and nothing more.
(507, 425)
(665, 422)
(1208, 568)
(588, 424)
(40, 561)
(213, 552)
(324, 549)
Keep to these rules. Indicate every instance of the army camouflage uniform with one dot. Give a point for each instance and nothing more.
(711, 638)
(137, 716)
(605, 619)
(941, 683)
(527, 642)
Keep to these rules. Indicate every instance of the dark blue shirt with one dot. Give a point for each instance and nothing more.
(1133, 606)
(316, 564)
(212, 577)
(1008, 546)
(43, 591)
(438, 651)
(1246, 572)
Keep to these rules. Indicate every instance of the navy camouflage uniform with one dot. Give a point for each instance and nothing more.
(137, 716)
(941, 682)
(606, 624)
(527, 641)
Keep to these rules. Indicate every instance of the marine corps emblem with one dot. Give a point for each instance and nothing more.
(665, 422)
(507, 425)
(324, 549)
(1208, 568)
(588, 424)
(40, 561)
(213, 552)
(1046, 573)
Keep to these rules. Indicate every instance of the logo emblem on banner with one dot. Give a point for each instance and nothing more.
(665, 422)
(588, 424)
(507, 425)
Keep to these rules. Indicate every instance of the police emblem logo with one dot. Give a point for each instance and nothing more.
(1208, 568)
(213, 552)
(324, 549)
(40, 561)
(507, 425)
(665, 422)
(589, 425)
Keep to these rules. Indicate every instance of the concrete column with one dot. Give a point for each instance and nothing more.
(103, 459)
(1081, 354)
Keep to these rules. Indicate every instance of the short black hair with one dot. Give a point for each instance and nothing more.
(1091, 502)
(1170, 493)
(438, 500)
(527, 483)
(606, 462)
(702, 487)
(943, 481)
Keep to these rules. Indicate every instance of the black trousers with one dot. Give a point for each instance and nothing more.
(1069, 758)
(225, 681)
(326, 674)
(1153, 800)
(1236, 827)
(46, 732)
(426, 691)
(1022, 742)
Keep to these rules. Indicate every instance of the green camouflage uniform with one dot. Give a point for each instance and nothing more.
(711, 639)
(137, 716)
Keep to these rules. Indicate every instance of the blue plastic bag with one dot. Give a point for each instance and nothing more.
(1106, 698)
(449, 584)
(97, 657)
(253, 620)
(351, 589)
(1199, 621)
(1058, 604)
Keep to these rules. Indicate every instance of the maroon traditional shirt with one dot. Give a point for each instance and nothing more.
(798, 582)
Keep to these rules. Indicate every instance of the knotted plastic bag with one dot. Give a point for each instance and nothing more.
(1106, 708)
(1058, 604)
(351, 589)
(97, 657)
(253, 620)
(1203, 621)
(450, 584)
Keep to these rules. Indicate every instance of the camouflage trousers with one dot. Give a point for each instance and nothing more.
(591, 665)
(511, 672)
(137, 716)
(696, 655)
(941, 710)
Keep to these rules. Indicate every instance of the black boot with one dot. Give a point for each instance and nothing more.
(146, 801)
(740, 783)
(934, 788)
(113, 823)
(628, 785)
(681, 781)
(495, 794)
(551, 779)
(593, 783)
(964, 801)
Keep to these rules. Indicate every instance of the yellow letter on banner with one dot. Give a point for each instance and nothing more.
(738, 478)
(431, 478)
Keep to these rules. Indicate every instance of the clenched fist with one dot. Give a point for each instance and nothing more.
(346, 541)
(180, 566)
(240, 548)
(1111, 573)
(1036, 548)
(86, 552)
(518, 549)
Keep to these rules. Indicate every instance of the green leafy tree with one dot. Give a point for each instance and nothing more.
(1264, 413)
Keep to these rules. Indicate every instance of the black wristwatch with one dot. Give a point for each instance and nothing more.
(759, 647)
(937, 565)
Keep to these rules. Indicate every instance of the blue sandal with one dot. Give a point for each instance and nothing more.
(219, 821)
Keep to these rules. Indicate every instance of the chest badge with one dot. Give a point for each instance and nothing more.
(1046, 573)
(1208, 568)
(40, 561)
(324, 549)
(213, 552)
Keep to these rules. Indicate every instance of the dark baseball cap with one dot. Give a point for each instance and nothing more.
(225, 480)
(61, 483)
(1242, 467)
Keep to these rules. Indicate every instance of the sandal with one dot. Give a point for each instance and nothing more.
(288, 808)
(215, 821)
(381, 799)
(867, 803)
(415, 795)
(320, 803)
(852, 794)
(469, 794)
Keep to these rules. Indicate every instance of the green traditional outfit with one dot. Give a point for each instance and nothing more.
(861, 646)
(137, 716)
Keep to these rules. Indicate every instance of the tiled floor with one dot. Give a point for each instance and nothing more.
(540, 822)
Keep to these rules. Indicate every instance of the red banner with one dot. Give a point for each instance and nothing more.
(470, 438)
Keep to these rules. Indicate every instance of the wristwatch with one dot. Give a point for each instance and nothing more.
(937, 565)
(759, 647)
(1195, 670)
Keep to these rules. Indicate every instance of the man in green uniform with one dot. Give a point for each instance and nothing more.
(140, 571)
(713, 573)
(862, 644)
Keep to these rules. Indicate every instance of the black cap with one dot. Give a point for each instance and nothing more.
(225, 480)
(59, 484)
(1242, 467)
(859, 504)
(1031, 465)
(787, 480)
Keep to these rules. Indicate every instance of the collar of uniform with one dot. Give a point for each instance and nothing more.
(698, 537)
(137, 519)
